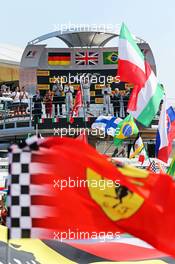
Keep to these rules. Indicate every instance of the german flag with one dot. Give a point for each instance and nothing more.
(59, 58)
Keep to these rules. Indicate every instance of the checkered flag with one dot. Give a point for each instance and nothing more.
(23, 207)
(152, 167)
(156, 167)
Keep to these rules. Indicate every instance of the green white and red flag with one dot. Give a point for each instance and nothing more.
(133, 68)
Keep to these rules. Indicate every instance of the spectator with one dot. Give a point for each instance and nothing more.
(106, 91)
(120, 152)
(3, 88)
(24, 97)
(8, 92)
(116, 103)
(16, 101)
(48, 103)
(69, 90)
(128, 91)
(58, 97)
(37, 111)
(3, 210)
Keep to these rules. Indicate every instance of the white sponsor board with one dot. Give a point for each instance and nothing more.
(3, 171)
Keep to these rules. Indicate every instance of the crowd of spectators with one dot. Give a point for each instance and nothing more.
(3, 209)
(17, 99)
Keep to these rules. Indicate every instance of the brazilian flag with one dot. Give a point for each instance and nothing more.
(110, 57)
(125, 129)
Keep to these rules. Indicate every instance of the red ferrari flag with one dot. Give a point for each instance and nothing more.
(63, 186)
(77, 104)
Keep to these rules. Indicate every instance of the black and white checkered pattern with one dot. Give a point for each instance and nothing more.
(157, 167)
(153, 167)
(19, 220)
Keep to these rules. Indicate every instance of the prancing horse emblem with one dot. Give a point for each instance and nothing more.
(117, 202)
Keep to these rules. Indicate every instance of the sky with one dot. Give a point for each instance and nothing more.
(152, 20)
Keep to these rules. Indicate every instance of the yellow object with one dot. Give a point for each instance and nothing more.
(9, 72)
(107, 196)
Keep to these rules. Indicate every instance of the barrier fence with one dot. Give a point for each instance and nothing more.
(33, 111)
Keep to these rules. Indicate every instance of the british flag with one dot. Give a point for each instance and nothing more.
(86, 58)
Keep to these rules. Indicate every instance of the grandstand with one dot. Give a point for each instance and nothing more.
(10, 57)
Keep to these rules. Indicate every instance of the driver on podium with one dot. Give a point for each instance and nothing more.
(69, 90)
(86, 85)
(106, 91)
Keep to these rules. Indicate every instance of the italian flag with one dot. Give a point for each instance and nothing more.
(41, 121)
(55, 120)
(86, 119)
(147, 92)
